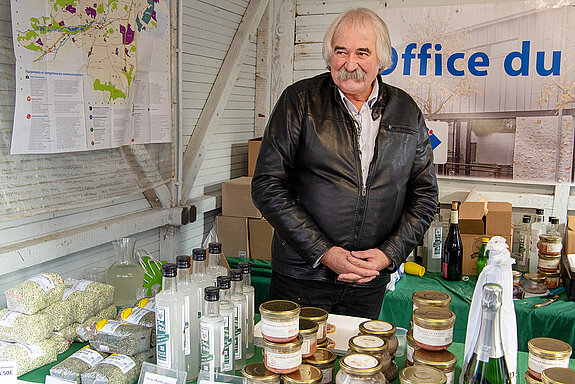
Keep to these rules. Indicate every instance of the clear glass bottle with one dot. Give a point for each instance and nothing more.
(211, 332)
(227, 310)
(170, 322)
(522, 254)
(198, 280)
(126, 274)
(488, 364)
(553, 227)
(435, 243)
(452, 259)
(483, 255)
(538, 227)
(215, 267)
(188, 292)
(241, 307)
(250, 293)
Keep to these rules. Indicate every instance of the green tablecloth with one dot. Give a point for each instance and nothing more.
(556, 320)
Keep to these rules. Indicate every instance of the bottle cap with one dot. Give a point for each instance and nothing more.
(236, 274)
(183, 261)
(539, 211)
(526, 218)
(211, 293)
(485, 239)
(492, 296)
(245, 267)
(215, 247)
(169, 270)
(199, 254)
(223, 282)
(554, 220)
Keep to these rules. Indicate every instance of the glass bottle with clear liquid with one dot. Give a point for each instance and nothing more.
(537, 228)
(126, 274)
(211, 332)
(241, 308)
(170, 322)
(199, 280)
(215, 267)
(188, 291)
(249, 291)
(488, 364)
(435, 243)
(227, 310)
(523, 253)
(553, 227)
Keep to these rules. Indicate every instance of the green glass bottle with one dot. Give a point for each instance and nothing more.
(483, 255)
(488, 364)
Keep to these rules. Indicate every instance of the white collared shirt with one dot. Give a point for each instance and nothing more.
(367, 128)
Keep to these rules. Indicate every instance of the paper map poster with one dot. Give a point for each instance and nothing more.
(90, 74)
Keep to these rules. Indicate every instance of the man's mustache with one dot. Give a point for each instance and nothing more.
(357, 74)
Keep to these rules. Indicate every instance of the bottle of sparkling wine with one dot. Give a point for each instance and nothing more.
(452, 260)
(487, 364)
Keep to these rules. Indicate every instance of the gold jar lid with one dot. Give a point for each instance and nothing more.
(534, 276)
(545, 256)
(431, 298)
(307, 326)
(422, 374)
(367, 344)
(377, 327)
(306, 374)
(550, 238)
(550, 275)
(322, 356)
(558, 376)
(517, 274)
(280, 309)
(258, 372)
(314, 313)
(434, 316)
(292, 345)
(530, 380)
(549, 348)
(438, 359)
(360, 364)
(323, 344)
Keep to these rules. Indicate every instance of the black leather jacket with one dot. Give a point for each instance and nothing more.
(308, 181)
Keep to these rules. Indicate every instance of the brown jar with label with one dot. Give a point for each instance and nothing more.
(433, 328)
(558, 376)
(544, 353)
(430, 298)
(324, 359)
(443, 360)
(549, 244)
(280, 320)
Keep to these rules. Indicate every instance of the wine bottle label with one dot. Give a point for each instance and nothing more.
(538, 364)
(163, 351)
(454, 219)
(280, 329)
(283, 360)
(433, 337)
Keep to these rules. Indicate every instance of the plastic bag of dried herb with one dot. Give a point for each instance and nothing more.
(21, 328)
(76, 364)
(62, 314)
(115, 369)
(108, 313)
(140, 316)
(60, 343)
(84, 303)
(69, 332)
(115, 336)
(104, 292)
(35, 294)
(28, 356)
(147, 356)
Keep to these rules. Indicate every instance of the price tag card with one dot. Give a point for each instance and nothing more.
(8, 372)
(154, 378)
(56, 380)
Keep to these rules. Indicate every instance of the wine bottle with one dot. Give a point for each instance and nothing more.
(452, 260)
(488, 364)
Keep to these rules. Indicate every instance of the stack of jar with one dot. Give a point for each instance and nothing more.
(549, 251)
(431, 333)
(545, 353)
(377, 338)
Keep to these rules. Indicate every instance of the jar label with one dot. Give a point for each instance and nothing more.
(121, 361)
(450, 377)
(305, 346)
(280, 329)
(367, 341)
(321, 329)
(88, 356)
(549, 263)
(327, 375)
(9, 318)
(538, 364)
(43, 281)
(554, 247)
(433, 337)
(283, 360)
(378, 326)
(410, 351)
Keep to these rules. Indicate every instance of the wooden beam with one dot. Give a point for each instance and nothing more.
(282, 41)
(219, 95)
(263, 72)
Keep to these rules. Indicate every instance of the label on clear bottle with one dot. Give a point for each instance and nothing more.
(123, 362)
(437, 246)
(283, 360)
(43, 281)
(187, 331)
(163, 351)
(538, 364)
(433, 337)
(239, 329)
(280, 329)
(208, 349)
(228, 362)
(88, 356)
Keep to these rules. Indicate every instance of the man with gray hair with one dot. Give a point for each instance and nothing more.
(345, 175)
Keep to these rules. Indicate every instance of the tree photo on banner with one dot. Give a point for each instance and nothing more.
(497, 81)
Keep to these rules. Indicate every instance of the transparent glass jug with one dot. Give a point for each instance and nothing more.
(126, 274)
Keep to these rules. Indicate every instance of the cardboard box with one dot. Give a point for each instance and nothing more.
(260, 233)
(237, 198)
(472, 217)
(498, 219)
(570, 235)
(253, 151)
(471, 245)
(233, 234)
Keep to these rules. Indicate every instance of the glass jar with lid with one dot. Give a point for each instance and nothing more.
(305, 374)
(257, 373)
(383, 329)
(534, 283)
(391, 372)
(443, 360)
(430, 298)
(308, 331)
(283, 358)
(411, 348)
(558, 376)
(324, 359)
(359, 368)
(280, 320)
(549, 244)
(551, 279)
(371, 345)
(531, 380)
(548, 263)
(422, 375)
(545, 352)
(433, 328)
(320, 317)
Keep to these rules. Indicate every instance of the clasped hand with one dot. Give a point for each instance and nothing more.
(355, 266)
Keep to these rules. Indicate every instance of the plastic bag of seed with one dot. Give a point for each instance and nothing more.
(68, 332)
(60, 343)
(84, 303)
(21, 328)
(108, 313)
(140, 316)
(28, 356)
(76, 364)
(147, 356)
(35, 294)
(62, 313)
(104, 292)
(148, 303)
(115, 336)
(115, 369)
